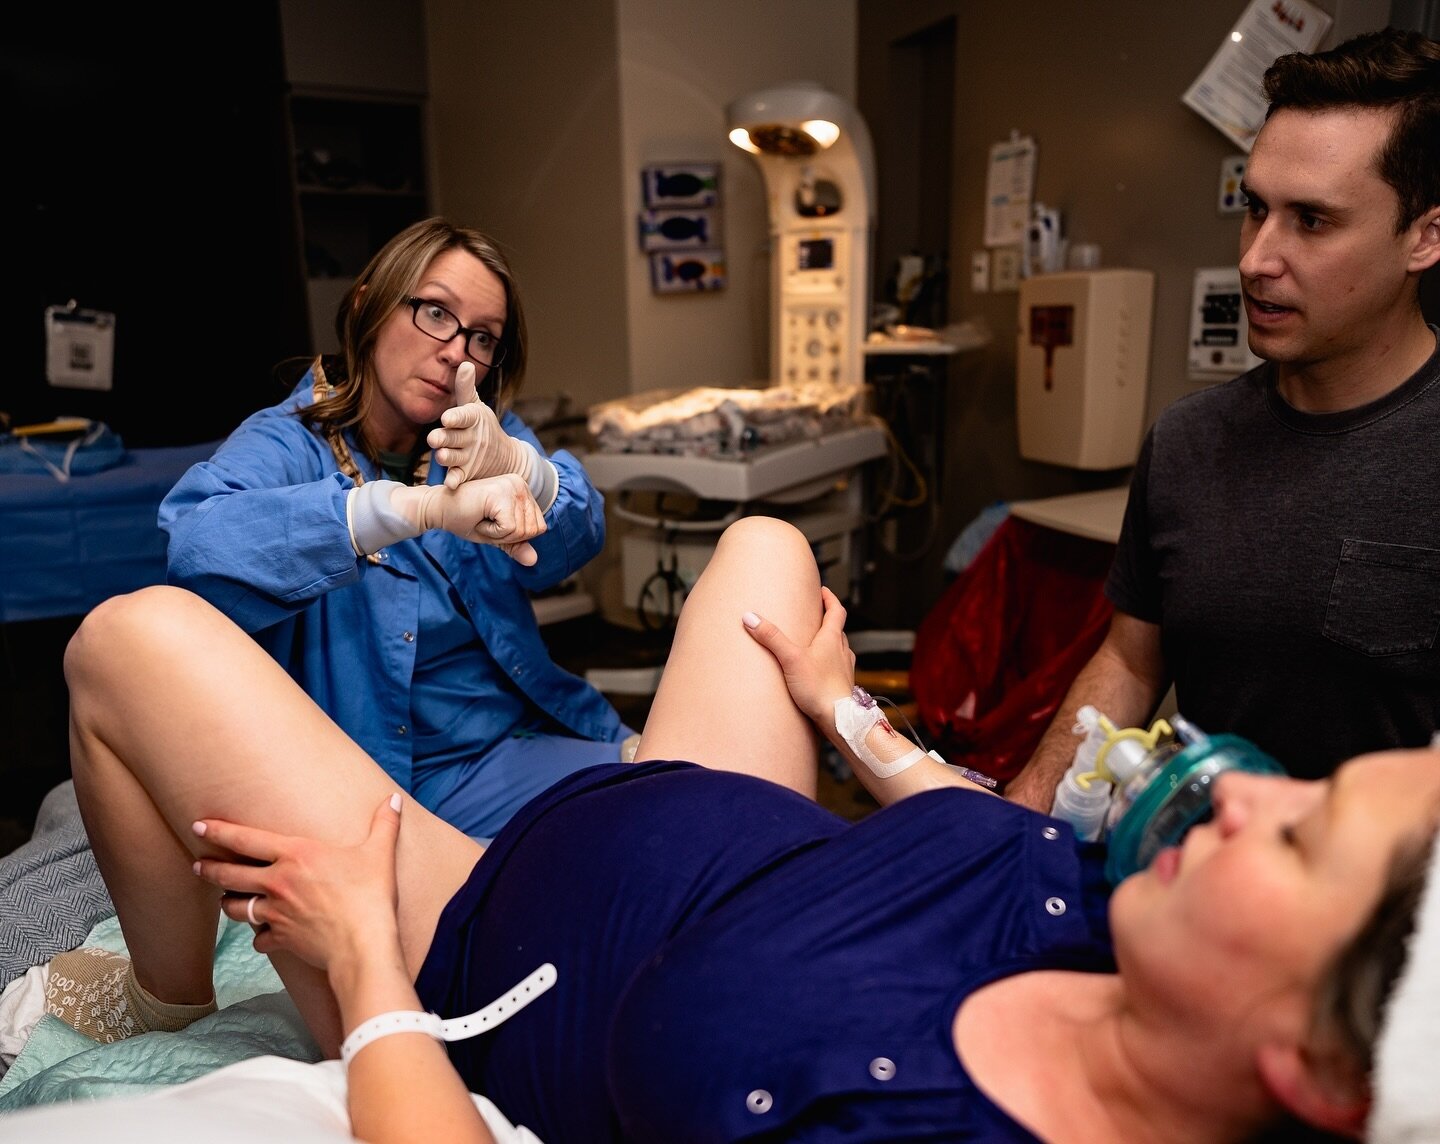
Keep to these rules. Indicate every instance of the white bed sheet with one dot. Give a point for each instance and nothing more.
(263, 1099)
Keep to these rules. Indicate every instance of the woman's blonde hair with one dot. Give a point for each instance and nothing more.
(389, 278)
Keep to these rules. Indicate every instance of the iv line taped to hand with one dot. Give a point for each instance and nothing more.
(859, 712)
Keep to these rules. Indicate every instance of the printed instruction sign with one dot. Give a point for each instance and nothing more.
(1228, 92)
(79, 347)
(1009, 187)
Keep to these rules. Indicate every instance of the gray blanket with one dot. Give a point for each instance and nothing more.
(51, 894)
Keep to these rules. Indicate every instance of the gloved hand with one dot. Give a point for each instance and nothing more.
(470, 444)
(496, 510)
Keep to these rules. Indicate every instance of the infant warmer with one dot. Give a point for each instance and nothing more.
(814, 153)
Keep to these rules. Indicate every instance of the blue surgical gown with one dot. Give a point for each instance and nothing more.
(259, 530)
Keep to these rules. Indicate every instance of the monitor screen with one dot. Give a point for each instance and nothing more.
(816, 254)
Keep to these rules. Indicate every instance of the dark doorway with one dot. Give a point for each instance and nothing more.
(148, 175)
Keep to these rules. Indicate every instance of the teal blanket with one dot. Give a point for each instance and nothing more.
(256, 1017)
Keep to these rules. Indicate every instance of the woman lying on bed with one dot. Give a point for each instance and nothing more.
(732, 960)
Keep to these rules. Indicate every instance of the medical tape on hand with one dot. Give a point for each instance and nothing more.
(854, 721)
(457, 1028)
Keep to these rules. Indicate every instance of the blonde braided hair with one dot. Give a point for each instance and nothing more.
(335, 438)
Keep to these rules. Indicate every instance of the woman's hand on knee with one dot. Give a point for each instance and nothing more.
(320, 902)
(821, 672)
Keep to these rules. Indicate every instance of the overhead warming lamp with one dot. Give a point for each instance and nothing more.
(814, 153)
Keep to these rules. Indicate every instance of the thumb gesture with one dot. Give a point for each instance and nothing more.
(469, 442)
(465, 393)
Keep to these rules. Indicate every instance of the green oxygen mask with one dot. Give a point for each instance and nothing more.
(1150, 787)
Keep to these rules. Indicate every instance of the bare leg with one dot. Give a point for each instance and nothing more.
(176, 714)
(722, 700)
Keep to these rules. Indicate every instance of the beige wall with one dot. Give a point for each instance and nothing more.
(1132, 168)
(525, 143)
(680, 65)
(543, 113)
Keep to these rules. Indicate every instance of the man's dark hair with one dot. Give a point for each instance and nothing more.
(1386, 69)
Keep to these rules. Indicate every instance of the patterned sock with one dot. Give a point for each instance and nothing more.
(95, 991)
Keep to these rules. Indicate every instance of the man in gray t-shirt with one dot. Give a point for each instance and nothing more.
(1280, 558)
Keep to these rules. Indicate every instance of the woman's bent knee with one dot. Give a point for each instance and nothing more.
(115, 629)
(764, 535)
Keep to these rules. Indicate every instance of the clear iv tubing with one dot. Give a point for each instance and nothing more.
(1186, 731)
(976, 777)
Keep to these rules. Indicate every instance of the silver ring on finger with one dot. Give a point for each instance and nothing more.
(250, 910)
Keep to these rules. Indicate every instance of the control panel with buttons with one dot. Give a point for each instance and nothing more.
(817, 337)
(1219, 334)
(813, 339)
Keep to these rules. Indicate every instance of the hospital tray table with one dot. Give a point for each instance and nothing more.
(66, 546)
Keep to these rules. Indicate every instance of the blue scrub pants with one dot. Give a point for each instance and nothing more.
(490, 789)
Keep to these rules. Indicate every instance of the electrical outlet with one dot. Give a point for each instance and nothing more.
(1005, 274)
(1232, 171)
(980, 271)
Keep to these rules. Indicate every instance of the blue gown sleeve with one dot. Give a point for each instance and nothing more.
(259, 529)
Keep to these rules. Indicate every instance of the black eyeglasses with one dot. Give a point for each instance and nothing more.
(439, 323)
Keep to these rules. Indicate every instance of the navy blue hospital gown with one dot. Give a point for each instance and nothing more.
(736, 962)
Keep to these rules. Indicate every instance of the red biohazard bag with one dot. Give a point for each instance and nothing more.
(995, 657)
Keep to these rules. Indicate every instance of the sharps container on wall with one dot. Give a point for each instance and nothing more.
(1082, 366)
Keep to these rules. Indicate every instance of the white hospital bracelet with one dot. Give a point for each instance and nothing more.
(455, 1029)
(400, 1021)
(855, 715)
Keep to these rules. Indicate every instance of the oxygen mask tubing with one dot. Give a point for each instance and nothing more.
(1142, 790)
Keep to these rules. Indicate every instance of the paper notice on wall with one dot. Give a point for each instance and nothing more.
(1228, 92)
(1009, 187)
(79, 347)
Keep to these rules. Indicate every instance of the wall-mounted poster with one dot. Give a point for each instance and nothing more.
(665, 230)
(687, 271)
(1228, 92)
(669, 185)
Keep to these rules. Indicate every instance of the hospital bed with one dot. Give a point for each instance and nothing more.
(249, 1072)
(246, 1073)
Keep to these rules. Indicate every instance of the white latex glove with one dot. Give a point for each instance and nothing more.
(470, 443)
(496, 510)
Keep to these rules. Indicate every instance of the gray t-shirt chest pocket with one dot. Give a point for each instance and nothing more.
(1385, 598)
